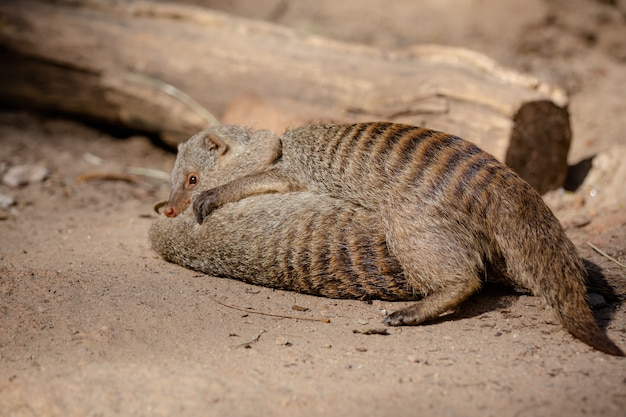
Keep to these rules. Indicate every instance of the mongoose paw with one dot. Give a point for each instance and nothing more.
(204, 205)
(409, 316)
(395, 319)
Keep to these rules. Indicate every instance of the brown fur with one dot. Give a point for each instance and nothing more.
(449, 211)
(301, 241)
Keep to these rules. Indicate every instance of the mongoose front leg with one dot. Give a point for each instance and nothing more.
(271, 181)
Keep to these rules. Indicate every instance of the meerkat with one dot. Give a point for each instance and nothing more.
(448, 210)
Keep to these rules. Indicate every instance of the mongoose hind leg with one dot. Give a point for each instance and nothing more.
(441, 259)
(434, 304)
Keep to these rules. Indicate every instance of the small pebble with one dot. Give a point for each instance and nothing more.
(282, 341)
(24, 174)
(413, 359)
(6, 201)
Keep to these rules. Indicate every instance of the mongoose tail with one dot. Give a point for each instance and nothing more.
(546, 261)
(584, 327)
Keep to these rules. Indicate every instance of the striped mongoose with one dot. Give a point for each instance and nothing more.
(300, 241)
(448, 211)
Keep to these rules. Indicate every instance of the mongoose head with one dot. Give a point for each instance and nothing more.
(215, 156)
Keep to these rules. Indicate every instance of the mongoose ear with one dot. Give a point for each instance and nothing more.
(216, 142)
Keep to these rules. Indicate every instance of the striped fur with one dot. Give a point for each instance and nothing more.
(294, 241)
(448, 209)
(301, 241)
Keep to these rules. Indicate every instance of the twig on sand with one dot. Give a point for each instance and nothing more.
(283, 316)
(247, 344)
(606, 255)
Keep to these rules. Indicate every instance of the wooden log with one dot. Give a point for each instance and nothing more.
(117, 62)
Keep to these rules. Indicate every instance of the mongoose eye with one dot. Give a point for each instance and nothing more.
(192, 179)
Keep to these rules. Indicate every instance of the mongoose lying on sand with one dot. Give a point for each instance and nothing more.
(295, 241)
(449, 211)
(301, 241)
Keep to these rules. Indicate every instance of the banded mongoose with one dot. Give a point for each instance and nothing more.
(302, 241)
(448, 210)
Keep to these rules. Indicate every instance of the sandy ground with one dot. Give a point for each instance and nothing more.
(93, 323)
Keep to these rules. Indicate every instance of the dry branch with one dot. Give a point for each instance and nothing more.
(82, 57)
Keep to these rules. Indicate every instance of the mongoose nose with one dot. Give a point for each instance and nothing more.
(170, 212)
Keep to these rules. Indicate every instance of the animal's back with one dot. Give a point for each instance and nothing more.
(364, 160)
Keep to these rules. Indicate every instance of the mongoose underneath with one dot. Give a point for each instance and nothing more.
(300, 241)
(449, 210)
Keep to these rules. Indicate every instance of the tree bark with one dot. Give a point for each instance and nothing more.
(116, 62)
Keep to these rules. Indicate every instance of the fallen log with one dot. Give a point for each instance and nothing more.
(125, 63)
